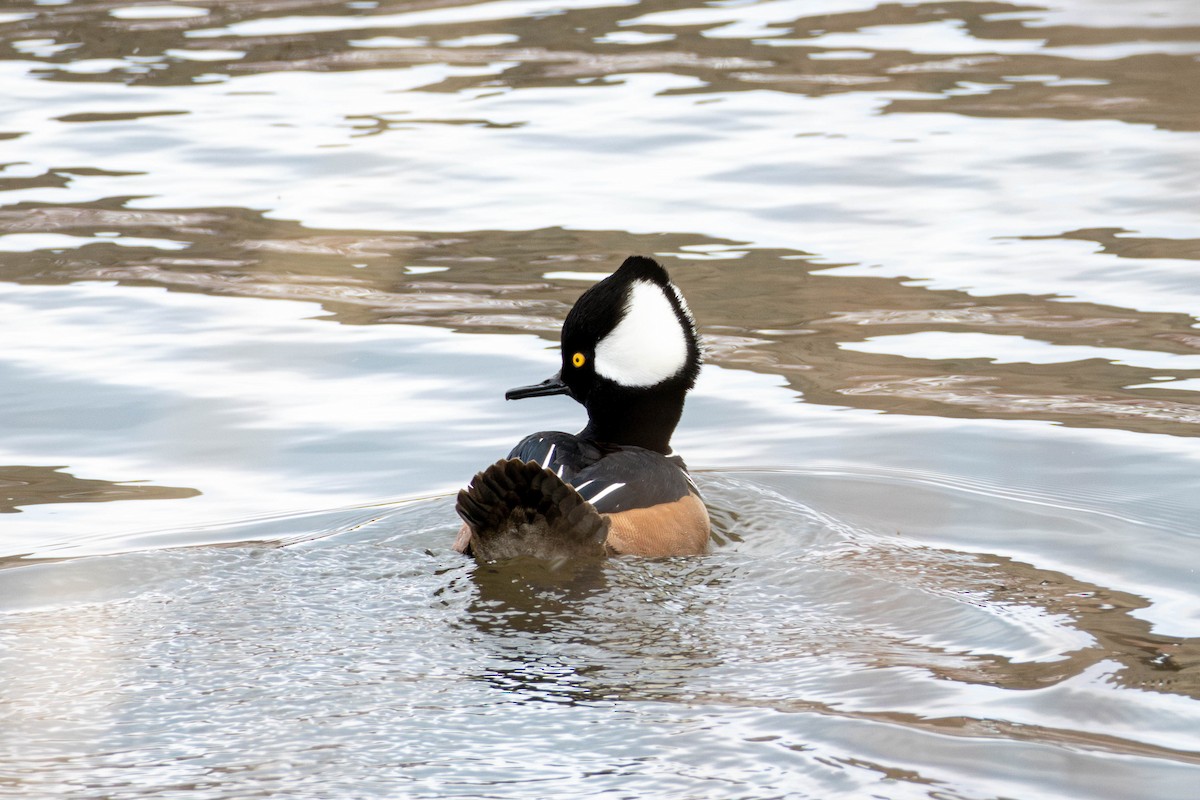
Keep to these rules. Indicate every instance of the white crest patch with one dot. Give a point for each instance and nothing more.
(683, 304)
(648, 345)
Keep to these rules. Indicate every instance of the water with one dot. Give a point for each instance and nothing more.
(267, 267)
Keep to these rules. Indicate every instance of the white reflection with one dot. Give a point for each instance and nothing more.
(952, 37)
(733, 169)
(1008, 349)
(941, 37)
(158, 12)
(42, 48)
(633, 37)
(261, 408)
(1185, 385)
(751, 18)
(30, 242)
(502, 9)
(1102, 507)
(571, 275)
(1110, 14)
(205, 55)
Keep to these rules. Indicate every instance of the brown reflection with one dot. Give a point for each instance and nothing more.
(568, 48)
(117, 116)
(1120, 242)
(583, 633)
(974, 728)
(771, 311)
(593, 637)
(1148, 661)
(530, 595)
(27, 486)
(47, 179)
(522, 608)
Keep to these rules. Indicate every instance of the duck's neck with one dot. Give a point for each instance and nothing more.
(635, 419)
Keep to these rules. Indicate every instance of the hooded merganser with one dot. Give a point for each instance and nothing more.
(629, 354)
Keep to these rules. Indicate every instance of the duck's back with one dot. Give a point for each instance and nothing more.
(574, 496)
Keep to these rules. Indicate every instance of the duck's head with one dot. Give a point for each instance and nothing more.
(629, 354)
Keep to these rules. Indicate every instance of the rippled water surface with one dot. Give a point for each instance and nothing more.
(267, 267)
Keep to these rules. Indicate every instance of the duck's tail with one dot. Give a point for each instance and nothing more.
(519, 508)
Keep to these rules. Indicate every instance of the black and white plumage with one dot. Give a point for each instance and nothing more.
(630, 353)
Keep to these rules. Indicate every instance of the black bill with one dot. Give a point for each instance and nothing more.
(547, 387)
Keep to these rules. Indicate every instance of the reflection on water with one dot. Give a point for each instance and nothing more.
(808, 329)
(272, 263)
(806, 659)
(25, 486)
(985, 59)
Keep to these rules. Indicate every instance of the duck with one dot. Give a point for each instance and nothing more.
(630, 355)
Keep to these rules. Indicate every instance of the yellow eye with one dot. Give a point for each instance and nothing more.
(578, 359)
